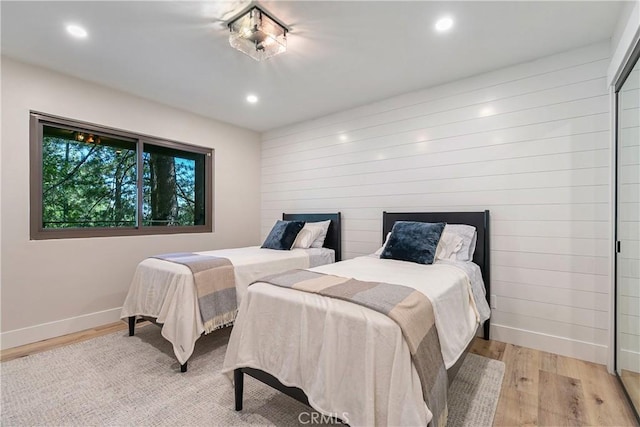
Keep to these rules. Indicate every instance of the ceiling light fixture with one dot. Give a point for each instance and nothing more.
(444, 24)
(258, 34)
(252, 99)
(76, 31)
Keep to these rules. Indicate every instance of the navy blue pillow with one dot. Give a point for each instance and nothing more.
(413, 241)
(282, 235)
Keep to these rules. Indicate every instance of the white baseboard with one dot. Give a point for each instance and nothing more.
(550, 343)
(58, 328)
(582, 350)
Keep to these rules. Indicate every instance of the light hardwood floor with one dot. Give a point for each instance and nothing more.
(631, 381)
(539, 388)
(37, 347)
(546, 389)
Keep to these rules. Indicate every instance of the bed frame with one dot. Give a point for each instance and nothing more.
(480, 220)
(332, 241)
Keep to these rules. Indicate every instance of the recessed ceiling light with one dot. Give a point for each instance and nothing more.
(76, 31)
(444, 24)
(252, 99)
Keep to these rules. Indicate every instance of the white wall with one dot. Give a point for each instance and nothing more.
(53, 287)
(529, 142)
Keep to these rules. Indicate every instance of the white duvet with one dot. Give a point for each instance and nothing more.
(352, 362)
(166, 291)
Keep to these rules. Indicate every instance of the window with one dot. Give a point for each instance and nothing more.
(89, 181)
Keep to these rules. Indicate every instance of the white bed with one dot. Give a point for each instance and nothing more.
(165, 291)
(339, 353)
(348, 361)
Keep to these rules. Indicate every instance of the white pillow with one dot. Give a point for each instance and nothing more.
(469, 236)
(319, 241)
(448, 246)
(379, 251)
(307, 235)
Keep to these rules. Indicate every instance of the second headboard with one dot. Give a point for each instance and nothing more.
(334, 234)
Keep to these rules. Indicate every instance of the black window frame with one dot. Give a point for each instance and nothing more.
(37, 232)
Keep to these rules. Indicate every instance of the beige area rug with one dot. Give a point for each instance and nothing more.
(123, 381)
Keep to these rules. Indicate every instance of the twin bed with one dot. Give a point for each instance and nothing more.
(347, 361)
(164, 292)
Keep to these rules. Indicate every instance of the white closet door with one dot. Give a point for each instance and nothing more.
(628, 235)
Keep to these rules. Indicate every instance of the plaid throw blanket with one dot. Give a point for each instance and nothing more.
(409, 308)
(215, 284)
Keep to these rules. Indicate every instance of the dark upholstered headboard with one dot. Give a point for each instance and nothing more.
(334, 234)
(480, 220)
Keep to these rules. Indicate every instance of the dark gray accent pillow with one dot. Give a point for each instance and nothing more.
(413, 241)
(282, 235)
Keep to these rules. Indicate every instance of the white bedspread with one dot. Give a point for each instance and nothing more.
(166, 291)
(352, 362)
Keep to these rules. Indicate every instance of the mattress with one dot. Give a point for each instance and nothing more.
(351, 361)
(165, 290)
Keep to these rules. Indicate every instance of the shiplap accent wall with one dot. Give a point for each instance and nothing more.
(529, 142)
(629, 222)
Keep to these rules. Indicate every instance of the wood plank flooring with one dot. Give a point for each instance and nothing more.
(37, 347)
(632, 384)
(539, 388)
(545, 389)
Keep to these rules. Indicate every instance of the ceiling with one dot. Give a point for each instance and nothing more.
(340, 54)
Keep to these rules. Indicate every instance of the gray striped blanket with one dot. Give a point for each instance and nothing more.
(215, 285)
(409, 308)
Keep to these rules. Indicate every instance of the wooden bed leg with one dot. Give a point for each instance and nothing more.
(487, 328)
(132, 325)
(183, 368)
(238, 382)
